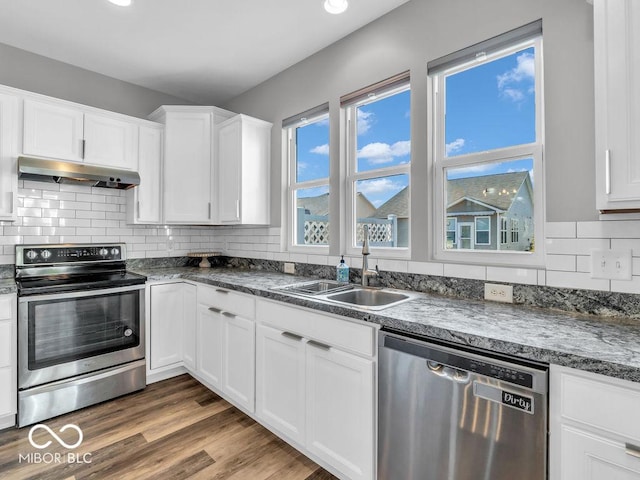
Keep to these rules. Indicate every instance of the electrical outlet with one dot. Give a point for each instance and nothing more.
(289, 267)
(611, 264)
(498, 293)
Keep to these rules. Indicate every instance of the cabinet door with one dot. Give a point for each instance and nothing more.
(110, 142)
(167, 311)
(189, 333)
(617, 90)
(144, 201)
(229, 170)
(52, 130)
(187, 168)
(8, 357)
(340, 400)
(210, 335)
(280, 381)
(8, 155)
(239, 360)
(586, 456)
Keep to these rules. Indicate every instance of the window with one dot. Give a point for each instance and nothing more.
(488, 149)
(308, 140)
(515, 230)
(503, 230)
(452, 226)
(483, 230)
(379, 146)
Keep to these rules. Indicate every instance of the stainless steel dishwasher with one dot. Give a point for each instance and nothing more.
(450, 414)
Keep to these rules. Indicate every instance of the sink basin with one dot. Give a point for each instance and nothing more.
(319, 287)
(371, 298)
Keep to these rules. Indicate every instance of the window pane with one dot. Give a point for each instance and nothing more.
(312, 216)
(489, 197)
(383, 204)
(491, 105)
(312, 150)
(383, 132)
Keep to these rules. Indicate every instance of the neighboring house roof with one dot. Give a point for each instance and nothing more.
(487, 189)
(396, 205)
(318, 205)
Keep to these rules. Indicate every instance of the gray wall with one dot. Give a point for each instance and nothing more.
(422, 30)
(35, 73)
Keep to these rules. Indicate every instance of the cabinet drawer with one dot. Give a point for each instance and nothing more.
(227, 300)
(601, 402)
(7, 303)
(322, 327)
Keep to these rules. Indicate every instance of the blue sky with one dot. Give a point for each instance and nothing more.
(487, 107)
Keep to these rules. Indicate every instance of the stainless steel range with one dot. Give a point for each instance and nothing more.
(80, 328)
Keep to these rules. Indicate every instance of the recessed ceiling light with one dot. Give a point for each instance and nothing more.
(121, 3)
(335, 6)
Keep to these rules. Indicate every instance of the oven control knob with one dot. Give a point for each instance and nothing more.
(46, 254)
(32, 254)
(103, 252)
(115, 251)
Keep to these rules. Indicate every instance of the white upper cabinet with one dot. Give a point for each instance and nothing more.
(244, 152)
(110, 141)
(8, 152)
(188, 193)
(60, 131)
(52, 130)
(144, 202)
(617, 97)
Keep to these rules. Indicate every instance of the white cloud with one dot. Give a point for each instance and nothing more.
(378, 152)
(524, 71)
(471, 170)
(321, 149)
(382, 188)
(365, 120)
(454, 146)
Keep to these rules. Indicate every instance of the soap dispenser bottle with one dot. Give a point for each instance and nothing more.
(342, 271)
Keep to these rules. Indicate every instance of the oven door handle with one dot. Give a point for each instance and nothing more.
(80, 294)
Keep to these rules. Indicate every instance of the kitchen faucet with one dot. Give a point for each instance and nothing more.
(366, 271)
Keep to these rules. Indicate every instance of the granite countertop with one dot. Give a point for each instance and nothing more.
(609, 346)
(7, 285)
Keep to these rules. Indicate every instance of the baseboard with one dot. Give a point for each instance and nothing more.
(157, 376)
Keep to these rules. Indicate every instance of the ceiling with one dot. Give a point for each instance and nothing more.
(204, 51)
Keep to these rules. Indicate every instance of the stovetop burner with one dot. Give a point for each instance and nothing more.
(46, 269)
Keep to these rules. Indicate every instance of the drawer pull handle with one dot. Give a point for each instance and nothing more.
(632, 450)
(322, 346)
(228, 314)
(292, 336)
(219, 290)
(215, 310)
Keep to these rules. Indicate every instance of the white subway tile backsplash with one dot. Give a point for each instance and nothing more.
(560, 230)
(609, 229)
(565, 263)
(576, 280)
(626, 286)
(525, 276)
(583, 263)
(73, 205)
(90, 214)
(579, 246)
(475, 272)
(426, 268)
(627, 244)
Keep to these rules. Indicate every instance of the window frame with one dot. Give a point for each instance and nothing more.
(488, 230)
(289, 136)
(532, 150)
(349, 113)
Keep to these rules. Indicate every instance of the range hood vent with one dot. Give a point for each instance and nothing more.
(45, 170)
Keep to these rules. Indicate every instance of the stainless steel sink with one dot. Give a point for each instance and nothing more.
(375, 299)
(370, 298)
(318, 287)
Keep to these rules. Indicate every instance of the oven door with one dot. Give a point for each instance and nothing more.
(68, 334)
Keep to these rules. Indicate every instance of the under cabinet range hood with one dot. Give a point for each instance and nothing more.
(57, 171)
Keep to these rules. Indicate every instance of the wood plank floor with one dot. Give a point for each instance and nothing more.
(175, 429)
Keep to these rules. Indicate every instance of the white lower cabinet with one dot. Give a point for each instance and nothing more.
(594, 427)
(226, 344)
(172, 329)
(315, 385)
(8, 360)
(340, 409)
(280, 381)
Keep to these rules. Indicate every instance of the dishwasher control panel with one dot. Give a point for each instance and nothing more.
(499, 372)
